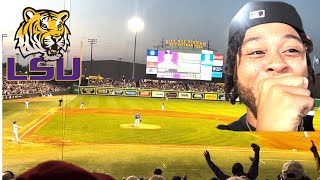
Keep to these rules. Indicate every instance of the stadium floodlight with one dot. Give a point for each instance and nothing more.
(135, 24)
(92, 42)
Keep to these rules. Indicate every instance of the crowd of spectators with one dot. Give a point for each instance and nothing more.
(63, 170)
(291, 170)
(107, 82)
(178, 85)
(28, 87)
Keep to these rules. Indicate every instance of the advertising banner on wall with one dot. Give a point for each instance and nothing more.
(172, 94)
(184, 95)
(157, 94)
(87, 90)
(145, 93)
(12, 97)
(197, 96)
(105, 91)
(102, 91)
(118, 92)
(221, 97)
(131, 92)
(212, 97)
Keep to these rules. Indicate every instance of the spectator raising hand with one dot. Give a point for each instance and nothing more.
(314, 150)
(237, 168)
(255, 147)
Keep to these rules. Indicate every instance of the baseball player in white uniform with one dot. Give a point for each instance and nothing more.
(27, 104)
(137, 121)
(15, 131)
(162, 106)
(82, 105)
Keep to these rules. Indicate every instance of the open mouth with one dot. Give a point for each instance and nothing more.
(53, 49)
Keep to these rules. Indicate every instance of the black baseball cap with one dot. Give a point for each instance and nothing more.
(259, 12)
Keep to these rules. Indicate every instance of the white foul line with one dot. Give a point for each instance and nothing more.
(43, 119)
(35, 125)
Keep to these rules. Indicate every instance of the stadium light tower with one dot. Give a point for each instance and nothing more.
(3, 36)
(92, 42)
(17, 58)
(135, 24)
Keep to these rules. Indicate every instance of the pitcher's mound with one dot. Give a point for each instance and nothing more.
(142, 126)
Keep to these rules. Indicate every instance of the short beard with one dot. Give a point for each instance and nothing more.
(246, 96)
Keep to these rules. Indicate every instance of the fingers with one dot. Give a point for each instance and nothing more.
(312, 143)
(306, 104)
(282, 102)
(285, 80)
(289, 80)
(293, 90)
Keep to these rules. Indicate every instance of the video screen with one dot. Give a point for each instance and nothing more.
(181, 65)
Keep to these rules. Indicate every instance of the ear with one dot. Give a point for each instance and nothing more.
(28, 13)
(63, 15)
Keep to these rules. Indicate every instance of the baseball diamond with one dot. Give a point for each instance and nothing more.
(102, 137)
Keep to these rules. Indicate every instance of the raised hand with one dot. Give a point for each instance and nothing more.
(207, 155)
(313, 147)
(255, 147)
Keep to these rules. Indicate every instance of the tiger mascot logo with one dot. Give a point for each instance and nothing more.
(43, 32)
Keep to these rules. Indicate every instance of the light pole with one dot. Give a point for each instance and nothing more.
(3, 36)
(67, 65)
(92, 42)
(135, 24)
(120, 72)
(17, 58)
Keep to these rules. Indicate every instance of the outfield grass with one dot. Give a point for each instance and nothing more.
(179, 105)
(97, 142)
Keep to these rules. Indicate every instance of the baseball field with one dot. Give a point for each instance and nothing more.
(102, 137)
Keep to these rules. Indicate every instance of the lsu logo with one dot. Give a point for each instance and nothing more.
(43, 32)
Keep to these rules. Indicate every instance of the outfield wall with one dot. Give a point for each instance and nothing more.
(151, 93)
(155, 93)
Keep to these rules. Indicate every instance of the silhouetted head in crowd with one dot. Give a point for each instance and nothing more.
(293, 170)
(237, 169)
(157, 177)
(157, 171)
(176, 178)
(52, 170)
(132, 178)
(238, 178)
(7, 175)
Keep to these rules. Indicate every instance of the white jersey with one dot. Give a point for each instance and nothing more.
(27, 104)
(15, 128)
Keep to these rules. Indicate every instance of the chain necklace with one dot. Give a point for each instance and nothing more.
(248, 125)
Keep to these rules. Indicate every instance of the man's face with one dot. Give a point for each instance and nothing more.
(268, 50)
